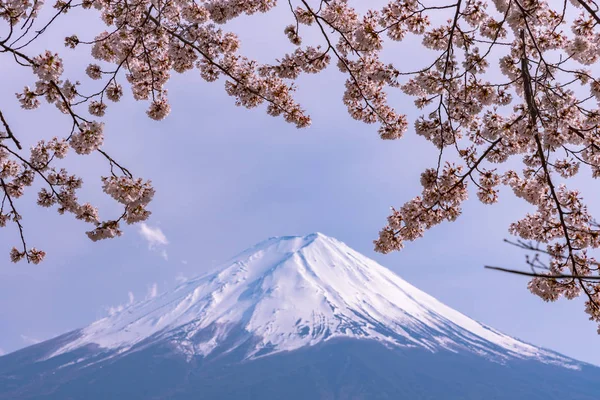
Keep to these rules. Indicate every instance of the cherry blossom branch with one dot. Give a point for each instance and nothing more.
(9, 131)
(61, 10)
(544, 276)
(534, 113)
(347, 67)
(589, 9)
(16, 217)
(530, 247)
(224, 70)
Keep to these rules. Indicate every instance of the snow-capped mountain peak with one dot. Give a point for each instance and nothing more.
(289, 292)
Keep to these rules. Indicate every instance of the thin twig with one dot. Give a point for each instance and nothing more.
(547, 276)
(9, 131)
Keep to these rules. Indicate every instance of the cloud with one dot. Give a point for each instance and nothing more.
(164, 255)
(117, 309)
(2, 352)
(155, 238)
(30, 340)
(152, 291)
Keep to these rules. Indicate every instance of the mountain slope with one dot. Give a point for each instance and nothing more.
(293, 317)
(295, 291)
(338, 369)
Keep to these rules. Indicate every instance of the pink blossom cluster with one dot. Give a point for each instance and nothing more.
(553, 126)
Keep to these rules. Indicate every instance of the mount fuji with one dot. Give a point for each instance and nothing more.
(303, 317)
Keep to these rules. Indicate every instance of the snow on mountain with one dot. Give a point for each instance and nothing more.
(289, 292)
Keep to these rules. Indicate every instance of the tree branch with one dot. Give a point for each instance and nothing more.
(9, 131)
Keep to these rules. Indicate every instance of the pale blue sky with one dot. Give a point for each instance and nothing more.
(227, 178)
